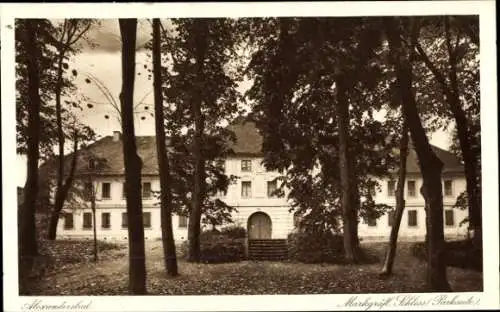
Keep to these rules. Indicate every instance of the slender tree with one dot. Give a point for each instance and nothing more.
(200, 33)
(70, 33)
(163, 161)
(27, 234)
(96, 165)
(430, 165)
(133, 164)
(400, 202)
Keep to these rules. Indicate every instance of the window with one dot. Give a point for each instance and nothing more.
(412, 190)
(246, 165)
(390, 217)
(246, 189)
(146, 219)
(391, 187)
(91, 164)
(68, 221)
(271, 188)
(124, 191)
(449, 217)
(106, 220)
(448, 190)
(296, 219)
(124, 220)
(371, 222)
(87, 220)
(106, 190)
(183, 221)
(146, 190)
(412, 218)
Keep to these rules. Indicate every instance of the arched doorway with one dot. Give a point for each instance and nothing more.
(259, 226)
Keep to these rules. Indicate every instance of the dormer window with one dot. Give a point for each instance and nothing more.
(246, 165)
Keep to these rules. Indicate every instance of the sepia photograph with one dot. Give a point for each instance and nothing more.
(221, 155)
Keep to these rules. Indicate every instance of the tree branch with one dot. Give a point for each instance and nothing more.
(435, 71)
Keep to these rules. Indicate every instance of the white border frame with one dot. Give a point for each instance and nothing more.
(485, 9)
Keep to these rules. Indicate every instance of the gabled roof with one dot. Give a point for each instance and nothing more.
(248, 143)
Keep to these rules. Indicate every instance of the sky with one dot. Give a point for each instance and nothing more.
(104, 63)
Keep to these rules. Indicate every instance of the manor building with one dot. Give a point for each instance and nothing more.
(264, 215)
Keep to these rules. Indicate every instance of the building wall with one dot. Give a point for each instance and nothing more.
(276, 208)
(417, 203)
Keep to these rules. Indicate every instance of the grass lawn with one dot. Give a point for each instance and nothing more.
(110, 275)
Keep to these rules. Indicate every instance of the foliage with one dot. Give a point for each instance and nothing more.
(300, 53)
(46, 60)
(73, 101)
(218, 247)
(461, 203)
(216, 90)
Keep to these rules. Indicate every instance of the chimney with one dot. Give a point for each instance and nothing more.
(116, 136)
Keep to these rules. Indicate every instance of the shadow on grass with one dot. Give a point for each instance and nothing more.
(461, 254)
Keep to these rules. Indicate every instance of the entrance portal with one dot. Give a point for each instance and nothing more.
(259, 226)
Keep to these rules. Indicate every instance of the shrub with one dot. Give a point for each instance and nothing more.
(460, 254)
(217, 247)
(234, 231)
(315, 247)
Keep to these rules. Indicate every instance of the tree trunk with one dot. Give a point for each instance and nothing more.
(93, 208)
(28, 248)
(400, 202)
(167, 233)
(430, 165)
(349, 215)
(59, 199)
(194, 226)
(137, 263)
(466, 142)
(96, 257)
(62, 194)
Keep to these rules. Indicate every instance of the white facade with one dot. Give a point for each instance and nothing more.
(249, 194)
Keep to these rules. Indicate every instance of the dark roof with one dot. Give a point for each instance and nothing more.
(451, 163)
(248, 139)
(248, 143)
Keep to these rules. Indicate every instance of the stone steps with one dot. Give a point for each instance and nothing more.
(267, 249)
